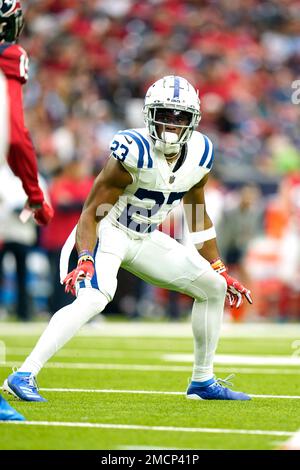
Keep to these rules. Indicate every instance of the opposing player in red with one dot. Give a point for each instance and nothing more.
(15, 143)
(21, 155)
(7, 412)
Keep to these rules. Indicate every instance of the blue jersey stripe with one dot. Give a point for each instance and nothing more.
(96, 248)
(176, 87)
(206, 150)
(147, 145)
(140, 147)
(94, 280)
(210, 163)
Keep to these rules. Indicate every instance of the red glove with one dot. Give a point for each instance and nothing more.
(85, 270)
(43, 214)
(235, 290)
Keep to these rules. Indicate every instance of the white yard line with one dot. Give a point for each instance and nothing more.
(147, 392)
(91, 353)
(288, 397)
(155, 368)
(108, 390)
(256, 432)
(224, 359)
(258, 370)
(239, 359)
(165, 329)
(293, 443)
(97, 366)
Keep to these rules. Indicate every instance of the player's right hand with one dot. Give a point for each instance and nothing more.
(85, 270)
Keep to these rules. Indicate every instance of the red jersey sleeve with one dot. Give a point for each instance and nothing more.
(21, 155)
(14, 62)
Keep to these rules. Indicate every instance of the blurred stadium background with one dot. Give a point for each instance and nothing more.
(91, 63)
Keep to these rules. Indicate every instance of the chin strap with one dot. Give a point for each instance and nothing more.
(167, 148)
(169, 143)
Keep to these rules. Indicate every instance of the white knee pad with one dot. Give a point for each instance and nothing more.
(108, 288)
(91, 302)
(107, 266)
(92, 298)
(209, 285)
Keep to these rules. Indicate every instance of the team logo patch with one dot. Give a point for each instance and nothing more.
(8, 6)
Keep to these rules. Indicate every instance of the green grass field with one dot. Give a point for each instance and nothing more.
(121, 386)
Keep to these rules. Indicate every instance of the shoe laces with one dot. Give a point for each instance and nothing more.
(30, 379)
(226, 382)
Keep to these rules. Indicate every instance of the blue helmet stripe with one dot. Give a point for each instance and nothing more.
(140, 147)
(176, 87)
(147, 145)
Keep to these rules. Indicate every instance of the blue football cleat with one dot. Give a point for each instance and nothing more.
(213, 390)
(7, 413)
(23, 385)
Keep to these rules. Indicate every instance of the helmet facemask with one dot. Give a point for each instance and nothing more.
(169, 119)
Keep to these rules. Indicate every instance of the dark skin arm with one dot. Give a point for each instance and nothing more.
(199, 220)
(108, 187)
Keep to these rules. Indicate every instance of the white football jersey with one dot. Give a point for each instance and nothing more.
(156, 188)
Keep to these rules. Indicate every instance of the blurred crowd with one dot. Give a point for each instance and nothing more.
(90, 64)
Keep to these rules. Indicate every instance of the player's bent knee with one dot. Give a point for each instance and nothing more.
(92, 300)
(210, 285)
(108, 288)
(218, 286)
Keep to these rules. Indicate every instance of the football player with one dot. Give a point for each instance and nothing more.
(20, 155)
(7, 413)
(149, 171)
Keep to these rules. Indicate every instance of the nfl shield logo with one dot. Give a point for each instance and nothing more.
(171, 179)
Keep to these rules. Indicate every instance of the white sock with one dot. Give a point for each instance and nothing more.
(206, 323)
(63, 326)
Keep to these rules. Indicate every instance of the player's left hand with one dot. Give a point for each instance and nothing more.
(236, 291)
(43, 214)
